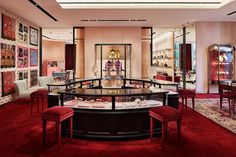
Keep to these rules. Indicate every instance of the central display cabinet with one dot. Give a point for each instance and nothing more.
(112, 63)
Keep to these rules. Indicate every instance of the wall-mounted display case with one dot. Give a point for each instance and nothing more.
(221, 60)
(113, 62)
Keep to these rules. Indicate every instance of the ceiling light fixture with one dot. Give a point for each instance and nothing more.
(113, 20)
(42, 9)
(142, 4)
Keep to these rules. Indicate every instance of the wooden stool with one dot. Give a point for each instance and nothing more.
(37, 95)
(185, 94)
(164, 114)
(57, 114)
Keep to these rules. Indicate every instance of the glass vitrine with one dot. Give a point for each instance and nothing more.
(221, 64)
(113, 62)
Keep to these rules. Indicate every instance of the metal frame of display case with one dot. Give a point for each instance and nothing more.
(114, 44)
(212, 63)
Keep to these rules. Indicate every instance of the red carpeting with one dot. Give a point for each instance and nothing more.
(20, 135)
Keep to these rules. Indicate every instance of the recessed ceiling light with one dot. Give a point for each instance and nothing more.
(141, 4)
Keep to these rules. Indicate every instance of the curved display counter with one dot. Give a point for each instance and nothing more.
(113, 113)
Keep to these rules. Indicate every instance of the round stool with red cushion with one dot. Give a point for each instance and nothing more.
(164, 114)
(37, 95)
(185, 94)
(57, 114)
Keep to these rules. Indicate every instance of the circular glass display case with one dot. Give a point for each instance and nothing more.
(114, 113)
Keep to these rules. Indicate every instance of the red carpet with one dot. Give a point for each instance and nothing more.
(20, 135)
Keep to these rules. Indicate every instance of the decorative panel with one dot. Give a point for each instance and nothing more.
(8, 86)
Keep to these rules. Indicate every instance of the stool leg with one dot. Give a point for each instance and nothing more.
(193, 101)
(166, 131)
(179, 128)
(186, 102)
(44, 131)
(233, 105)
(58, 128)
(182, 103)
(220, 101)
(151, 128)
(163, 135)
(38, 103)
(42, 104)
(71, 128)
(31, 106)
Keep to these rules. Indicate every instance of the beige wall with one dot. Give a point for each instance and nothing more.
(80, 71)
(208, 33)
(53, 50)
(94, 35)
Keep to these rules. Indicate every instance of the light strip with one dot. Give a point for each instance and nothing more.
(142, 4)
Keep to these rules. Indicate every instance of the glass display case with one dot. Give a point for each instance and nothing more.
(112, 63)
(112, 113)
(114, 99)
(221, 64)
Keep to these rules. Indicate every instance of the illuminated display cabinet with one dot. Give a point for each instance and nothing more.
(113, 63)
(221, 60)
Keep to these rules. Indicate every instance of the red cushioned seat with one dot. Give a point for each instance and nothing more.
(185, 94)
(57, 114)
(58, 110)
(164, 114)
(41, 92)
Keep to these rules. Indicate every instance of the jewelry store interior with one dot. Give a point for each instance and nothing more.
(118, 78)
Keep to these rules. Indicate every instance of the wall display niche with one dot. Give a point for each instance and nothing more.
(23, 33)
(33, 57)
(23, 75)
(33, 77)
(22, 54)
(8, 85)
(33, 36)
(7, 55)
(8, 27)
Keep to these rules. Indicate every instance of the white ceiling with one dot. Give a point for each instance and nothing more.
(72, 17)
(69, 18)
(141, 4)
